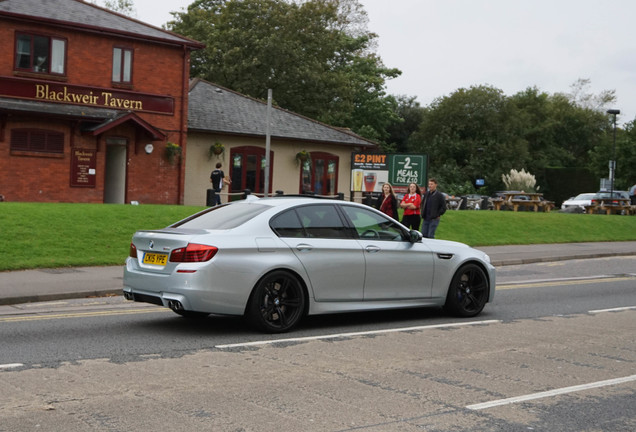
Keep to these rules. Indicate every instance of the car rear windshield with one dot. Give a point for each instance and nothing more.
(586, 196)
(226, 216)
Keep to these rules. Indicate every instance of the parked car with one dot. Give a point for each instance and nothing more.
(478, 202)
(275, 260)
(579, 201)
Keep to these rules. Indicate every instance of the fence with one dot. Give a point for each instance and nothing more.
(211, 196)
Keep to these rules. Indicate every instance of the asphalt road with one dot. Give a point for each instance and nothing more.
(107, 364)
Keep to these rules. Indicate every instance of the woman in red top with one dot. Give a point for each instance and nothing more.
(411, 205)
(387, 203)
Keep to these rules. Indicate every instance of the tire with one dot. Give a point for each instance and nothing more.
(468, 292)
(277, 303)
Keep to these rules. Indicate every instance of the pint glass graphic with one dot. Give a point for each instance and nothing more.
(357, 180)
(369, 181)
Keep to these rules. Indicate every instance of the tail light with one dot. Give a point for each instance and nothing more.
(133, 251)
(193, 253)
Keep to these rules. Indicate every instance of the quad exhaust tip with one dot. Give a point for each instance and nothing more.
(175, 305)
(129, 295)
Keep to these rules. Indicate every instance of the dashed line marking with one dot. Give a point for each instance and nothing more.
(364, 333)
(550, 393)
(10, 365)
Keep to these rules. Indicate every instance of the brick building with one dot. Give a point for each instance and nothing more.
(90, 102)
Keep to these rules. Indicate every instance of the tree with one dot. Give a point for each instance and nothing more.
(602, 153)
(581, 96)
(473, 133)
(315, 55)
(626, 157)
(125, 7)
(410, 114)
(481, 133)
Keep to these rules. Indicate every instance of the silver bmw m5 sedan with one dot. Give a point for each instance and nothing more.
(275, 260)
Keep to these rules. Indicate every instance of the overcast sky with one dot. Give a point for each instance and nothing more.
(443, 45)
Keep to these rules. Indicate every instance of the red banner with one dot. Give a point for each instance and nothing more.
(47, 91)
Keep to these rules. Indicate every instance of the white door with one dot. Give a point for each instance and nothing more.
(115, 175)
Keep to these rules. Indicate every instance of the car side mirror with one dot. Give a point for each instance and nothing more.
(415, 236)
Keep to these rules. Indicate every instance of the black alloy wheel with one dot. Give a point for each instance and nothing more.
(468, 291)
(277, 303)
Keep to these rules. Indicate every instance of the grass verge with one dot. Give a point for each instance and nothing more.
(39, 235)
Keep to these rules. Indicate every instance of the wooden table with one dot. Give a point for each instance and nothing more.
(534, 201)
(611, 205)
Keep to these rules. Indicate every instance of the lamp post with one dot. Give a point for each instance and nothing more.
(615, 112)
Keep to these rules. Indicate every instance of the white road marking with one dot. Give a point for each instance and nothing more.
(618, 309)
(364, 333)
(11, 365)
(550, 393)
(562, 282)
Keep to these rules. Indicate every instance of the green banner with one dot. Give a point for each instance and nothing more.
(405, 169)
(369, 171)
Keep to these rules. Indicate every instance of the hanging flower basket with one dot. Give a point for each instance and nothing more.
(216, 149)
(302, 157)
(173, 153)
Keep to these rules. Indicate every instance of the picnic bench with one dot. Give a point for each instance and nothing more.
(611, 206)
(527, 200)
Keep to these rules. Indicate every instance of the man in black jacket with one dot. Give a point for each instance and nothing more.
(433, 207)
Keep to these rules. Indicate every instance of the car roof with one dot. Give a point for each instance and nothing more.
(620, 192)
(291, 200)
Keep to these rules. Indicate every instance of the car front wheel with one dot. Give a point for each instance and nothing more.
(277, 303)
(468, 291)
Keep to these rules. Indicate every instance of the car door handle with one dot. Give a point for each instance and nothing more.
(372, 249)
(303, 247)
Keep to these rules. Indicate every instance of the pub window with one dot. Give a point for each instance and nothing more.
(319, 174)
(41, 54)
(247, 169)
(122, 65)
(37, 140)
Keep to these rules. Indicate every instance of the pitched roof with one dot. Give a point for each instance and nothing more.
(212, 108)
(89, 17)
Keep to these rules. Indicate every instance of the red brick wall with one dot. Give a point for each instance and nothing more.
(157, 69)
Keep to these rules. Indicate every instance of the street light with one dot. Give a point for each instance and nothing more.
(615, 112)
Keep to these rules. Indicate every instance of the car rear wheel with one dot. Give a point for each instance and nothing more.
(277, 303)
(468, 291)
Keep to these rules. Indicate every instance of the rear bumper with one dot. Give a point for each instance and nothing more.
(192, 290)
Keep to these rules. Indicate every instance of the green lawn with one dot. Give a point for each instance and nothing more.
(36, 235)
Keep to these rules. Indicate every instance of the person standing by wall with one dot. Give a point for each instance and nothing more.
(217, 178)
(411, 205)
(387, 203)
(433, 207)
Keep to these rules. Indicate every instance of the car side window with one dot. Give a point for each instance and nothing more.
(287, 224)
(322, 221)
(373, 226)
